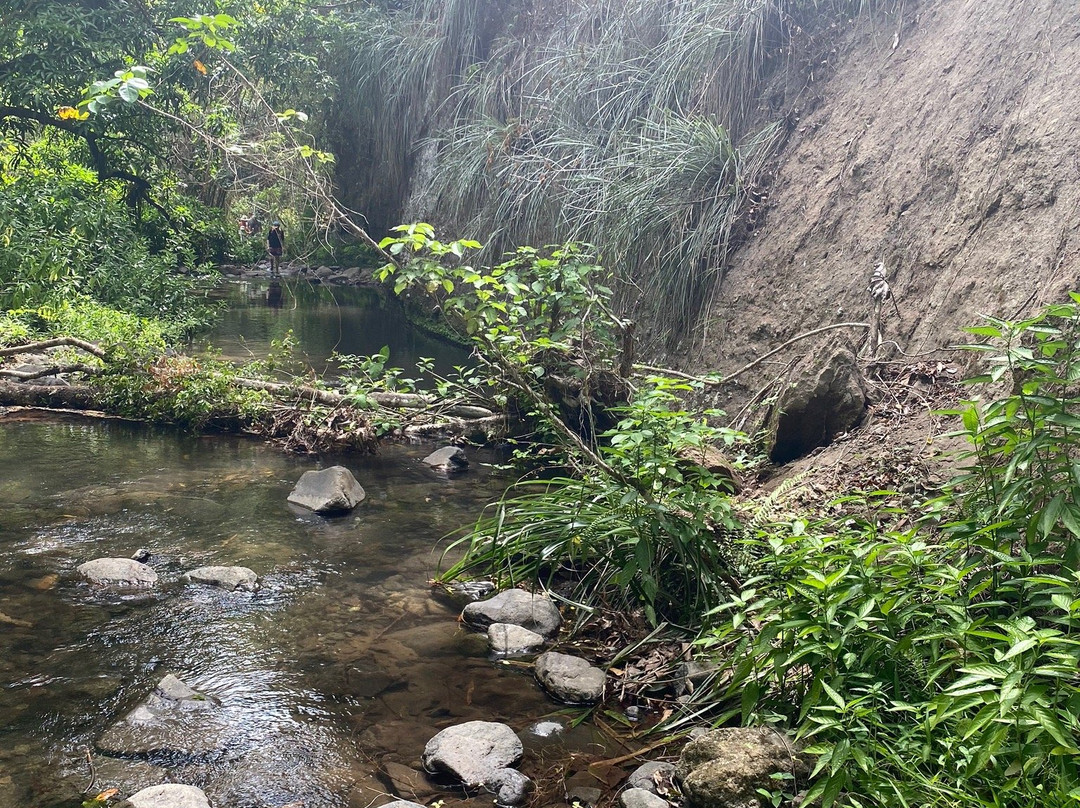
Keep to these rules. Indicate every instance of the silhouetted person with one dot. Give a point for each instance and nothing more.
(275, 245)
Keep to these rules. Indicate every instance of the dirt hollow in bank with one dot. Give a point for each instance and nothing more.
(951, 157)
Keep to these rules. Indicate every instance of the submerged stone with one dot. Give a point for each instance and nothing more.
(175, 719)
(450, 458)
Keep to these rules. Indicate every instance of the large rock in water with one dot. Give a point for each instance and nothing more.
(170, 795)
(569, 678)
(173, 720)
(724, 768)
(230, 578)
(535, 612)
(473, 752)
(506, 638)
(448, 458)
(332, 490)
(124, 572)
(827, 397)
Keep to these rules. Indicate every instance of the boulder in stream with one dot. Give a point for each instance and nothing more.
(174, 719)
(329, 491)
(122, 572)
(230, 578)
(472, 752)
(516, 606)
(448, 458)
(508, 639)
(169, 795)
(509, 786)
(570, 679)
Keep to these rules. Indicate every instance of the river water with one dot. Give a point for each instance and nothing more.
(342, 661)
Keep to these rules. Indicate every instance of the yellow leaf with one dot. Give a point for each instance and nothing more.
(70, 113)
(104, 795)
(200, 67)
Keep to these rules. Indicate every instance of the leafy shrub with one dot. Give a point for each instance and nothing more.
(935, 666)
(66, 236)
(649, 534)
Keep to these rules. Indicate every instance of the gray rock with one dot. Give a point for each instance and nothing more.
(506, 638)
(570, 679)
(583, 795)
(142, 555)
(402, 804)
(472, 751)
(123, 572)
(535, 612)
(640, 798)
(450, 458)
(509, 786)
(654, 776)
(826, 397)
(174, 719)
(465, 592)
(408, 782)
(230, 578)
(329, 491)
(725, 767)
(169, 795)
(691, 675)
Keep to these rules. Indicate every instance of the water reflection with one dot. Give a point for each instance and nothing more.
(341, 659)
(323, 320)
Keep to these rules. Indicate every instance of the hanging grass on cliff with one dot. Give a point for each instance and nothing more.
(640, 128)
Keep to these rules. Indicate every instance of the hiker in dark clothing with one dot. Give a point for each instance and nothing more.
(275, 245)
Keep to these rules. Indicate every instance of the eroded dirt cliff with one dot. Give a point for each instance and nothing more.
(948, 152)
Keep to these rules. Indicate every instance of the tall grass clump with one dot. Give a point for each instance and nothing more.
(638, 127)
(938, 665)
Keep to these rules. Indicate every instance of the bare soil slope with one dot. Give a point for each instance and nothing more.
(952, 157)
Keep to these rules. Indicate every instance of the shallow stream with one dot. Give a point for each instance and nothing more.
(343, 660)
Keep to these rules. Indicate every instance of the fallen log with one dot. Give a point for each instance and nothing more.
(52, 396)
(401, 401)
(58, 342)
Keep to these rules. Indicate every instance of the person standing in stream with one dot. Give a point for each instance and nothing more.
(275, 245)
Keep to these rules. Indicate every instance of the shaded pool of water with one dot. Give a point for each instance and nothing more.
(323, 320)
(343, 601)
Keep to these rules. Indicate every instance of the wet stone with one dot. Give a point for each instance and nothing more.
(169, 795)
(472, 751)
(506, 638)
(640, 798)
(330, 491)
(583, 795)
(509, 786)
(449, 458)
(401, 804)
(122, 572)
(173, 720)
(516, 606)
(570, 679)
(406, 781)
(654, 776)
(229, 578)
